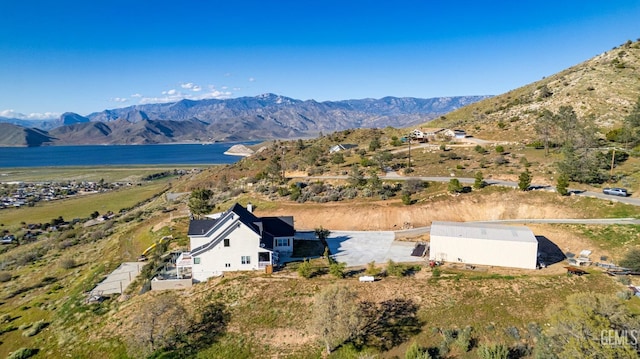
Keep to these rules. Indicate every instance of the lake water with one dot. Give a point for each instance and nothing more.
(181, 154)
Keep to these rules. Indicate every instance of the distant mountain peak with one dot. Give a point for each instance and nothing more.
(277, 99)
(69, 118)
(265, 116)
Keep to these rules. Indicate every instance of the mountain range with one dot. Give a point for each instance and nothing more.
(266, 116)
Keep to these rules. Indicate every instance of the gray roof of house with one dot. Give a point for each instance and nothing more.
(267, 227)
(279, 226)
(198, 227)
(483, 231)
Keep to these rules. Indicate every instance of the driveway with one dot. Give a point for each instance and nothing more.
(359, 248)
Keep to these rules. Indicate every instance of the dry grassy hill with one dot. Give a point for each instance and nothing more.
(44, 283)
(606, 86)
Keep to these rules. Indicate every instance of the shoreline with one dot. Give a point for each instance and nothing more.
(134, 144)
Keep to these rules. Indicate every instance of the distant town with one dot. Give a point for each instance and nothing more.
(18, 194)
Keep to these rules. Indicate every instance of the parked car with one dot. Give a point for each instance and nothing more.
(8, 239)
(622, 192)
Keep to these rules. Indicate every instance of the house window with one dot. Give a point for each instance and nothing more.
(227, 265)
(282, 242)
(226, 242)
(196, 260)
(245, 259)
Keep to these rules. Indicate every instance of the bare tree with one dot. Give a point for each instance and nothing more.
(337, 316)
(158, 325)
(544, 128)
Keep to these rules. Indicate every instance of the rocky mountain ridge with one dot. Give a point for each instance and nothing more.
(266, 116)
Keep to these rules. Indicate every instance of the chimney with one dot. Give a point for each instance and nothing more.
(250, 207)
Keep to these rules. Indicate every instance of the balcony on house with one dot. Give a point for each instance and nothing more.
(184, 260)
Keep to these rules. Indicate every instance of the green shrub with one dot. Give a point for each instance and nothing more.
(23, 353)
(463, 341)
(372, 270)
(562, 185)
(406, 199)
(493, 351)
(455, 186)
(625, 294)
(5, 277)
(481, 150)
(479, 182)
(513, 332)
(632, 259)
(396, 269)
(7, 329)
(337, 269)
(68, 263)
(305, 269)
(415, 352)
(35, 328)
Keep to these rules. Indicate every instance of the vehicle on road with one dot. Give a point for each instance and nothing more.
(622, 192)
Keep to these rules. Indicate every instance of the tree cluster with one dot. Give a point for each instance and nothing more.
(576, 138)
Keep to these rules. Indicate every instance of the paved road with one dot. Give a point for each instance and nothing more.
(395, 176)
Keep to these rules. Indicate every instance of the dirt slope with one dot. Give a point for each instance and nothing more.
(393, 215)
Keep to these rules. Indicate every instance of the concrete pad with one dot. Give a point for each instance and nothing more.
(118, 281)
(359, 248)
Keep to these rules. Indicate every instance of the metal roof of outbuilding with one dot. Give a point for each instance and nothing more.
(483, 231)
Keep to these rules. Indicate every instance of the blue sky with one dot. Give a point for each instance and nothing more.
(87, 56)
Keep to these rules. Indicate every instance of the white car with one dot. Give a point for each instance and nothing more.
(615, 191)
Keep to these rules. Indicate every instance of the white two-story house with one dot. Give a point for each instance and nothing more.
(236, 240)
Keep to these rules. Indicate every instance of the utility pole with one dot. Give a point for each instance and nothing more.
(409, 140)
(613, 157)
(283, 163)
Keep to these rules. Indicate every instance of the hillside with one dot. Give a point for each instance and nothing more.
(262, 315)
(252, 314)
(605, 87)
(14, 135)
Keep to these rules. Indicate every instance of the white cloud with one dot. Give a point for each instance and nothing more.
(191, 86)
(119, 99)
(11, 113)
(195, 93)
(136, 95)
(251, 79)
(31, 116)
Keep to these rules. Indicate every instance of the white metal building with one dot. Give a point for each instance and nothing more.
(483, 244)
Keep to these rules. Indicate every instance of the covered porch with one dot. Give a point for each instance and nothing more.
(266, 258)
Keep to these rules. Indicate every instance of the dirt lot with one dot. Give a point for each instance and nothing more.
(393, 215)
